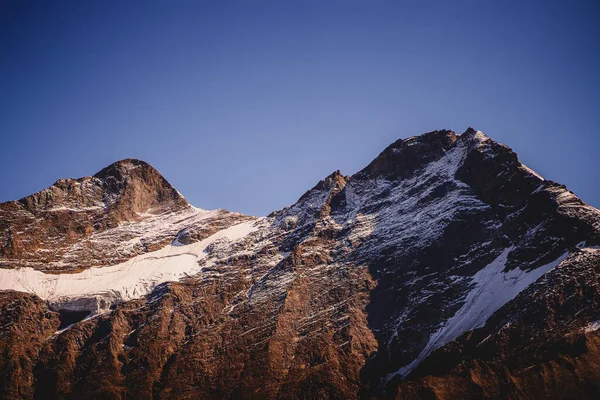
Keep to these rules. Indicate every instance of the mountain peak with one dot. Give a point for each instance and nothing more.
(470, 131)
(139, 187)
(126, 184)
(426, 273)
(123, 167)
(404, 156)
(129, 190)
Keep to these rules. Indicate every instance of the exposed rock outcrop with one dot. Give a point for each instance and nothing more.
(444, 269)
(126, 209)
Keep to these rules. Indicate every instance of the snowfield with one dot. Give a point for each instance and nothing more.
(129, 280)
(435, 252)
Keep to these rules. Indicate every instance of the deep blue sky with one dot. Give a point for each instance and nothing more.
(245, 105)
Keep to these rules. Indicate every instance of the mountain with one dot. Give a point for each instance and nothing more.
(444, 269)
(124, 210)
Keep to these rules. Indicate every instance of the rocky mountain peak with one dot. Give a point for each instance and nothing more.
(470, 132)
(405, 156)
(314, 202)
(129, 168)
(444, 269)
(123, 165)
(54, 221)
(128, 186)
(333, 182)
(137, 187)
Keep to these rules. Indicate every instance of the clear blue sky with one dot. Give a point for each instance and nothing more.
(245, 105)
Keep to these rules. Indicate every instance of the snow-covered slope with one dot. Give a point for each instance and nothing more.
(492, 288)
(124, 210)
(98, 288)
(349, 292)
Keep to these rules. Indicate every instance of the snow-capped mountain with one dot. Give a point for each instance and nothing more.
(444, 269)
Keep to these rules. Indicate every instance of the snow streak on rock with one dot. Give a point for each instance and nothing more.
(364, 281)
(492, 289)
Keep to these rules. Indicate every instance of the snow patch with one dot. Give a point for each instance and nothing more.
(480, 137)
(592, 326)
(97, 287)
(493, 288)
(590, 249)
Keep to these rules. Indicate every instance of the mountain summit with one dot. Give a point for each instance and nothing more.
(125, 187)
(444, 269)
(138, 188)
(124, 210)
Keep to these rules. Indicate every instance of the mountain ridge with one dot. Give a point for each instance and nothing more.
(386, 283)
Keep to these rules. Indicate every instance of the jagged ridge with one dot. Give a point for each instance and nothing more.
(357, 290)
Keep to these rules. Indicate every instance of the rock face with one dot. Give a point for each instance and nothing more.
(444, 269)
(101, 220)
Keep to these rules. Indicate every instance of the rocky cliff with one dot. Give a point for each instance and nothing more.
(443, 269)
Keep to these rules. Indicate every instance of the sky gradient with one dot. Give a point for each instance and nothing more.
(245, 105)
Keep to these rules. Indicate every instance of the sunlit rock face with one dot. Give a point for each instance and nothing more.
(443, 269)
(126, 209)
